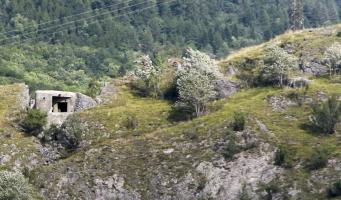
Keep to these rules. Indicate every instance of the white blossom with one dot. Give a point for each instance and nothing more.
(333, 57)
(145, 68)
(13, 186)
(196, 80)
(278, 64)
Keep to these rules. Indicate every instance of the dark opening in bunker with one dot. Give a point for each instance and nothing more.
(60, 104)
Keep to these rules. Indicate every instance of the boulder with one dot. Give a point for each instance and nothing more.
(84, 102)
(315, 68)
(298, 82)
(226, 88)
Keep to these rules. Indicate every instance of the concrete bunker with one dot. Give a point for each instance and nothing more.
(59, 104)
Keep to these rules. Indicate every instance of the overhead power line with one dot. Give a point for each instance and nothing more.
(92, 22)
(64, 18)
(70, 22)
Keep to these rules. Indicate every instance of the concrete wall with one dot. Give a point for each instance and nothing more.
(76, 103)
(44, 99)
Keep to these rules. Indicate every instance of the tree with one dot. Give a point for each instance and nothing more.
(196, 81)
(333, 58)
(13, 186)
(327, 116)
(296, 15)
(149, 74)
(278, 64)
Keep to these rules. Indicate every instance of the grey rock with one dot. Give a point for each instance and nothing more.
(314, 67)
(108, 92)
(298, 82)
(84, 102)
(24, 96)
(226, 88)
(226, 182)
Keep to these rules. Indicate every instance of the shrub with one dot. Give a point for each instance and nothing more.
(332, 56)
(239, 121)
(277, 65)
(334, 190)
(318, 160)
(338, 34)
(326, 116)
(147, 77)
(13, 186)
(131, 123)
(69, 135)
(231, 148)
(271, 189)
(34, 121)
(283, 157)
(196, 80)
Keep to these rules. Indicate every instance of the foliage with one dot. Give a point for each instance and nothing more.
(34, 121)
(283, 157)
(13, 186)
(149, 75)
(243, 194)
(317, 160)
(333, 58)
(334, 190)
(231, 148)
(69, 135)
(224, 24)
(239, 121)
(196, 79)
(93, 88)
(327, 116)
(271, 189)
(278, 64)
(131, 123)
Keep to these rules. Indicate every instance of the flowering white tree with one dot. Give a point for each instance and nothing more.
(333, 58)
(278, 64)
(196, 80)
(149, 74)
(13, 186)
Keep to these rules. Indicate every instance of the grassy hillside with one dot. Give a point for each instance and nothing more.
(138, 154)
(134, 150)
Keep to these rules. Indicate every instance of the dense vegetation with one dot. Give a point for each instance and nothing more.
(216, 27)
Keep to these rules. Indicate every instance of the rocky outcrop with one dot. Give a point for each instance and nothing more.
(298, 82)
(107, 93)
(226, 88)
(225, 180)
(280, 103)
(314, 67)
(23, 96)
(84, 102)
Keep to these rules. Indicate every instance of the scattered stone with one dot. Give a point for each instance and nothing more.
(168, 151)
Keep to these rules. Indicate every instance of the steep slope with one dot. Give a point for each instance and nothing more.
(17, 152)
(131, 149)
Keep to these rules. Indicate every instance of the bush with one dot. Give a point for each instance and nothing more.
(271, 189)
(318, 160)
(34, 122)
(69, 135)
(334, 190)
(283, 157)
(327, 116)
(131, 123)
(239, 121)
(231, 148)
(13, 186)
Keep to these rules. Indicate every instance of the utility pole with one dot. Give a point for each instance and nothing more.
(296, 15)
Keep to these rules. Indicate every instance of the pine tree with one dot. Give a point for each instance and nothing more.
(296, 15)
